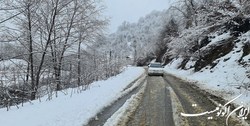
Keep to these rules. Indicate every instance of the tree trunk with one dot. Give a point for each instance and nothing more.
(38, 73)
(58, 78)
(61, 56)
(31, 61)
(79, 64)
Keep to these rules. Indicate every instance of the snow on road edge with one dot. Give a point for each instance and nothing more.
(177, 109)
(73, 110)
(135, 84)
(121, 116)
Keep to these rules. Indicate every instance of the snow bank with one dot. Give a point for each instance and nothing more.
(222, 80)
(121, 117)
(227, 79)
(71, 110)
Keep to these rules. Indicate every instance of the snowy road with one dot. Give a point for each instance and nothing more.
(157, 107)
(194, 100)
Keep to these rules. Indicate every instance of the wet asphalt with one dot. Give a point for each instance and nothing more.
(155, 108)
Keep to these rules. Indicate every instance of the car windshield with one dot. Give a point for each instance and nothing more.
(156, 65)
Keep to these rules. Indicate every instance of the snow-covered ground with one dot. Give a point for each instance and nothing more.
(121, 116)
(71, 109)
(223, 80)
(227, 79)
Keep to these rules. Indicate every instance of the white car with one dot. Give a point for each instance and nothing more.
(155, 69)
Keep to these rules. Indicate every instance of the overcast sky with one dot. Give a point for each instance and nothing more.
(131, 10)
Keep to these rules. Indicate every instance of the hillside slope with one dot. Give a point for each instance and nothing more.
(214, 51)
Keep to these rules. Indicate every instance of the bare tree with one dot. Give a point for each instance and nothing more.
(80, 24)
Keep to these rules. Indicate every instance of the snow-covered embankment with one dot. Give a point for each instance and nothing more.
(75, 110)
